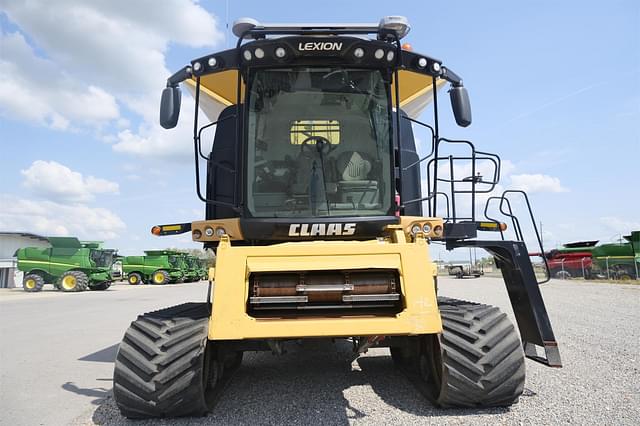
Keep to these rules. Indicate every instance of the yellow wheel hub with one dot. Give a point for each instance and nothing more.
(69, 282)
(133, 279)
(158, 278)
(30, 284)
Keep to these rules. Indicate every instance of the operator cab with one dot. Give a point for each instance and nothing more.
(102, 257)
(308, 143)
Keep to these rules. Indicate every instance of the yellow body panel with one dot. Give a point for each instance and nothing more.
(234, 264)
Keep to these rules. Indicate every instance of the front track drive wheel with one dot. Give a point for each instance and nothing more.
(477, 361)
(134, 278)
(72, 281)
(160, 277)
(32, 283)
(166, 367)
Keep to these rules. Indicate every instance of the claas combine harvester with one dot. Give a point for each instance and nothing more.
(315, 210)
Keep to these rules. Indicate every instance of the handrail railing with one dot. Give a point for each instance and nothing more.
(506, 209)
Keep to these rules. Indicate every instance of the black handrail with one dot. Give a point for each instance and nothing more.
(204, 157)
(506, 209)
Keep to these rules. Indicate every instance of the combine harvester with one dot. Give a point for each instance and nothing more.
(620, 261)
(315, 212)
(571, 260)
(69, 264)
(155, 267)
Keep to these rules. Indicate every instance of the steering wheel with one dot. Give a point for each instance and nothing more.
(316, 145)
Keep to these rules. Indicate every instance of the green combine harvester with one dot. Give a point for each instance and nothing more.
(618, 260)
(155, 267)
(203, 269)
(195, 269)
(69, 264)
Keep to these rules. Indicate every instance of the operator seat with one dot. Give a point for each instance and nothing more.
(355, 185)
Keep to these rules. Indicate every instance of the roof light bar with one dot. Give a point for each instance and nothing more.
(399, 24)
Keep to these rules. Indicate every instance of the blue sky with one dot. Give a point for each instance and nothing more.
(555, 90)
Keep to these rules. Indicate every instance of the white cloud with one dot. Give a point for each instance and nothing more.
(616, 224)
(35, 89)
(537, 183)
(151, 140)
(119, 48)
(56, 182)
(120, 44)
(51, 218)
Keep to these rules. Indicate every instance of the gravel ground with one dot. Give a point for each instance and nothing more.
(57, 351)
(315, 382)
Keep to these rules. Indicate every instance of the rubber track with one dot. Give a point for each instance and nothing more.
(483, 361)
(159, 366)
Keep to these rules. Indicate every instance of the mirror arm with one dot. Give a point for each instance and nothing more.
(179, 76)
(451, 77)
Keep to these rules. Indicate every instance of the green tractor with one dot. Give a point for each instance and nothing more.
(155, 267)
(69, 264)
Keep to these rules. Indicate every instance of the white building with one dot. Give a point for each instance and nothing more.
(10, 242)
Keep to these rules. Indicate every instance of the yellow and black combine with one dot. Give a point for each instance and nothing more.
(314, 195)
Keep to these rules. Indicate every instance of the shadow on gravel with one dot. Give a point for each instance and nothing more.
(98, 393)
(313, 383)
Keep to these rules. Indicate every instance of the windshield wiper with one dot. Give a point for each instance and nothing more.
(313, 183)
(324, 176)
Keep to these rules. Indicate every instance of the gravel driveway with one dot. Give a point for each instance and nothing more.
(316, 383)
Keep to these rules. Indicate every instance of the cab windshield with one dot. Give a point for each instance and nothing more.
(102, 258)
(318, 143)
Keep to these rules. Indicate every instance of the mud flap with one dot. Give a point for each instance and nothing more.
(526, 300)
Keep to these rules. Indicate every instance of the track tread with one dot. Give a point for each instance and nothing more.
(159, 366)
(486, 370)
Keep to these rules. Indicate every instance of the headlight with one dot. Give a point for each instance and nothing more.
(426, 228)
(415, 229)
(208, 231)
(220, 232)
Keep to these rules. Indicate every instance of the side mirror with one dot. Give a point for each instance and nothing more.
(170, 106)
(460, 105)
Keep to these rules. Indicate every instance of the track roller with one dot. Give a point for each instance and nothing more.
(166, 367)
(476, 362)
